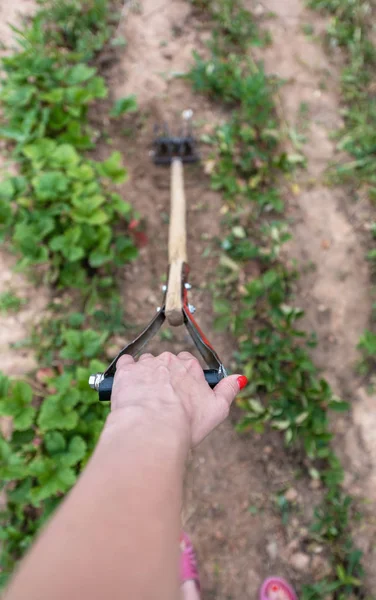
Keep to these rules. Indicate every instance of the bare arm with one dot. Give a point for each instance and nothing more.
(117, 534)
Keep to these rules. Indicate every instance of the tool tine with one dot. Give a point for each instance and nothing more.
(167, 147)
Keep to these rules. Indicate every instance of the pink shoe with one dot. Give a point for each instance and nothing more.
(273, 586)
(188, 561)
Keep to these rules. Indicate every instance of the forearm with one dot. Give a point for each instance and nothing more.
(121, 521)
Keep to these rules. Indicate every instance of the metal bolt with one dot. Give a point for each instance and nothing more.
(187, 286)
(187, 114)
(95, 381)
(192, 309)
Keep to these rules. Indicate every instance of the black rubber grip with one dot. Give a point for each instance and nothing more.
(105, 388)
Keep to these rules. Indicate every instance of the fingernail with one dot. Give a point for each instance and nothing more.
(242, 382)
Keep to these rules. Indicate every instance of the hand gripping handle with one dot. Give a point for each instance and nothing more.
(212, 376)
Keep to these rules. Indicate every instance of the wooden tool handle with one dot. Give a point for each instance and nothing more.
(177, 247)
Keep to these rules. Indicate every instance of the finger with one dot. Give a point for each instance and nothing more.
(166, 358)
(194, 368)
(229, 388)
(146, 357)
(186, 356)
(217, 409)
(124, 361)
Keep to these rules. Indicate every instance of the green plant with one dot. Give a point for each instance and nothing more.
(60, 208)
(234, 24)
(82, 26)
(350, 28)
(10, 302)
(124, 105)
(65, 215)
(56, 423)
(367, 347)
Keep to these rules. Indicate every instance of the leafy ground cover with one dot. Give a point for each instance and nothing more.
(63, 219)
(59, 209)
(286, 391)
(351, 29)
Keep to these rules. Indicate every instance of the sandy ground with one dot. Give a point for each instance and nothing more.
(233, 481)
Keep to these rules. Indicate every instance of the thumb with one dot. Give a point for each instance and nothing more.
(227, 389)
(216, 411)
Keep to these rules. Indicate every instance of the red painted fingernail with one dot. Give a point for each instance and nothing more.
(242, 382)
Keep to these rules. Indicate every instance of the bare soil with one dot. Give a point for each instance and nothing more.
(233, 480)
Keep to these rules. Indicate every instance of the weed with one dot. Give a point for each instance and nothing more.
(308, 29)
(10, 302)
(349, 29)
(124, 105)
(235, 26)
(367, 347)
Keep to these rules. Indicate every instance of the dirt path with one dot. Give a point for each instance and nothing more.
(334, 288)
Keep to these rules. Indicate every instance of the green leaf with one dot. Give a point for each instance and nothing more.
(12, 133)
(56, 412)
(65, 156)
(82, 344)
(54, 442)
(112, 168)
(39, 152)
(52, 477)
(339, 406)
(256, 406)
(67, 455)
(18, 405)
(10, 302)
(55, 96)
(97, 87)
(21, 95)
(118, 42)
(12, 464)
(68, 244)
(75, 452)
(222, 307)
(21, 493)
(98, 258)
(4, 384)
(50, 186)
(7, 189)
(79, 74)
(121, 207)
(5, 214)
(281, 425)
(124, 105)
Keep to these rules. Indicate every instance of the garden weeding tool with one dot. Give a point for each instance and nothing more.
(174, 152)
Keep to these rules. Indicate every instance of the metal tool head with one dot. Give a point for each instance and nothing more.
(167, 147)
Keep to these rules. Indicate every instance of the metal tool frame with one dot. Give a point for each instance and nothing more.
(135, 348)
